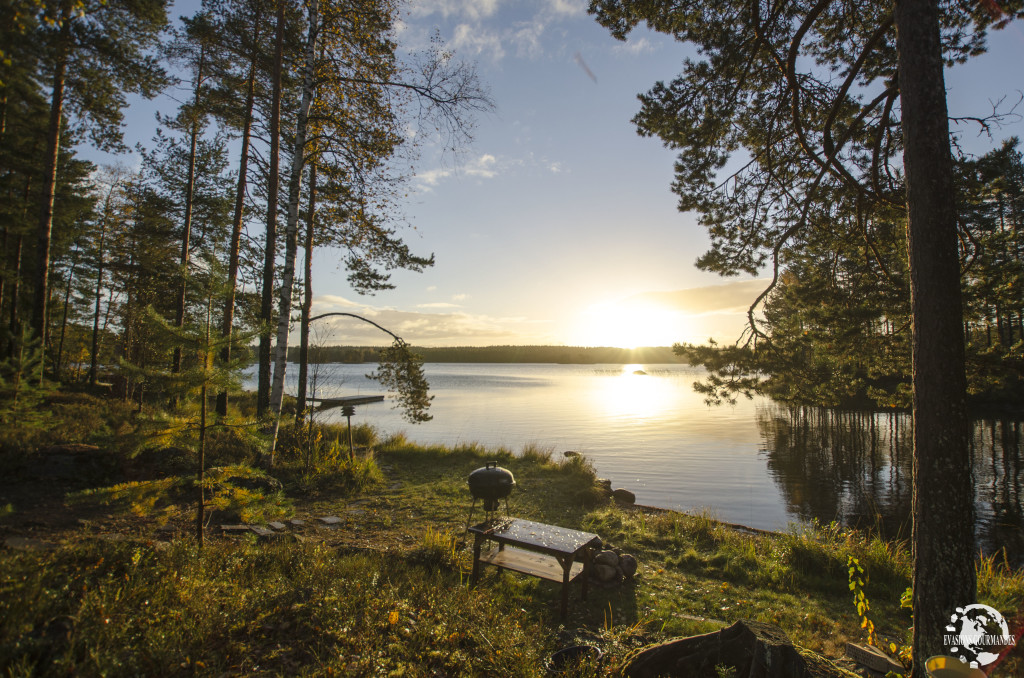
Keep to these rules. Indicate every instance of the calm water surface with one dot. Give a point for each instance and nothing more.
(755, 463)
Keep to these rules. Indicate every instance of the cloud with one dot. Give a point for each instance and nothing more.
(732, 297)
(494, 28)
(641, 46)
(477, 40)
(423, 328)
(567, 7)
(485, 166)
(438, 304)
(430, 178)
(464, 9)
(326, 303)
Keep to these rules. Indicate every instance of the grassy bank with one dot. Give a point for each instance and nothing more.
(113, 583)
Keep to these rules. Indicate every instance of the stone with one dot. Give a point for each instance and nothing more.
(873, 658)
(329, 520)
(570, 454)
(605, 572)
(753, 649)
(28, 544)
(262, 531)
(297, 522)
(609, 558)
(277, 526)
(234, 529)
(623, 496)
(628, 564)
(604, 483)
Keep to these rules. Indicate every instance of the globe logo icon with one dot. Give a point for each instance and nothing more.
(976, 634)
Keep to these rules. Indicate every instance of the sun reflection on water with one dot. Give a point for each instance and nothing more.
(634, 394)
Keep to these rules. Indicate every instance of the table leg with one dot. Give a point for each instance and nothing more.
(588, 558)
(566, 563)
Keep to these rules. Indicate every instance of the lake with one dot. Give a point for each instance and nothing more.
(756, 463)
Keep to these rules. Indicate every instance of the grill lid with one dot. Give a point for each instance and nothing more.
(491, 483)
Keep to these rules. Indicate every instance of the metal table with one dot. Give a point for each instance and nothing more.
(540, 550)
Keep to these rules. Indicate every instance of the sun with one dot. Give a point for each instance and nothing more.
(625, 323)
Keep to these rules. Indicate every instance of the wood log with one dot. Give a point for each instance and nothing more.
(753, 649)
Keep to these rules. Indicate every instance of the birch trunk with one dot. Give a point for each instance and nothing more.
(307, 299)
(291, 231)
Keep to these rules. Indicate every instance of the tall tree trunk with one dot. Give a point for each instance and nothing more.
(186, 231)
(307, 299)
(291, 226)
(45, 224)
(201, 471)
(64, 318)
(14, 318)
(943, 532)
(228, 318)
(270, 254)
(94, 352)
(3, 272)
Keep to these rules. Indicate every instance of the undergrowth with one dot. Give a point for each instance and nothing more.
(133, 609)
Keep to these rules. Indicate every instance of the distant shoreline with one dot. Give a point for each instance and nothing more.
(566, 355)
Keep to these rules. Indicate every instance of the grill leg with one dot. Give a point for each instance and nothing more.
(476, 559)
(470, 516)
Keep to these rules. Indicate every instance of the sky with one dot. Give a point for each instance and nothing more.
(557, 224)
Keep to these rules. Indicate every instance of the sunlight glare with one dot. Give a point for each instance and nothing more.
(626, 324)
(635, 394)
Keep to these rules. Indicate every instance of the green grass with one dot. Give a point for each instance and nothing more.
(386, 593)
(130, 609)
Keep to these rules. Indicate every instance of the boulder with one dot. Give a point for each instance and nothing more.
(609, 558)
(753, 649)
(604, 483)
(605, 573)
(628, 564)
(623, 496)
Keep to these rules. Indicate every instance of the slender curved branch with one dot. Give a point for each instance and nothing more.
(794, 85)
(359, 317)
(776, 252)
(876, 148)
(875, 38)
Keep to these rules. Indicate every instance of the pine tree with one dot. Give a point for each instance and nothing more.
(97, 53)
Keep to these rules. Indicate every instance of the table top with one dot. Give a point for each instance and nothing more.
(539, 536)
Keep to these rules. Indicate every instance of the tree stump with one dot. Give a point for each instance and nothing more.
(754, 649)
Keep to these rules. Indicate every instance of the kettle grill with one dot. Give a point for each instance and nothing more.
(491, 483)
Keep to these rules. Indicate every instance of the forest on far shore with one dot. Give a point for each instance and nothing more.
(576, 355)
